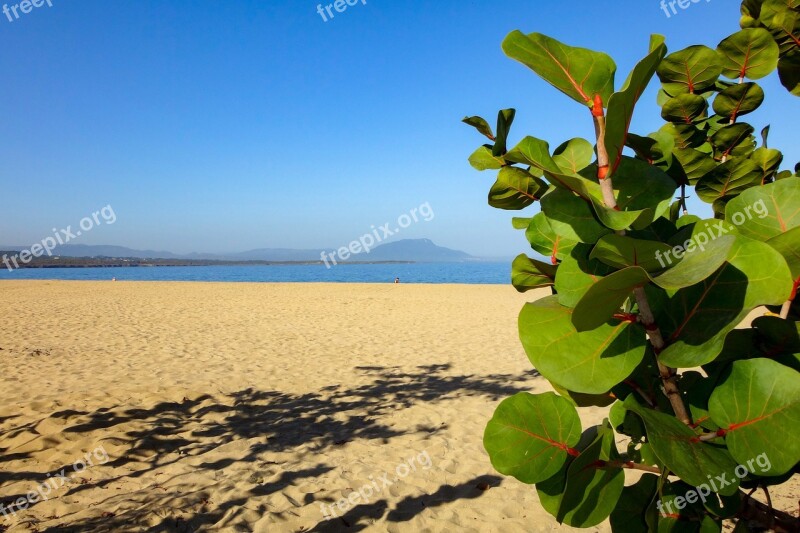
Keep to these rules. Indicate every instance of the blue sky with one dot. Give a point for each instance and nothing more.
(224, 126)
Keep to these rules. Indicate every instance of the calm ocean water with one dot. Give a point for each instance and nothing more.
(469, 273)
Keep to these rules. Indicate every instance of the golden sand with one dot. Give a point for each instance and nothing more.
(255, 407)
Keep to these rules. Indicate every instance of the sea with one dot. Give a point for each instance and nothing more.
(436, 273)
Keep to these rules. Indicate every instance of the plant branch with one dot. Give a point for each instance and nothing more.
(668, 375)
(606, 186)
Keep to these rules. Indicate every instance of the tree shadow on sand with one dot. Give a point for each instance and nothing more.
(171, 432)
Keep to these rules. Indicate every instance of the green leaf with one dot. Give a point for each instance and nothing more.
(590, 492)
(698, 389)
(521, 222)
(778, 339)
(641, 189)
(591, 362)
(750, 53)
(633, 513)
(536, 153)
(481, 125)
(751, 11)
(504, 120)
(528, 274)
(576, 274)
(733, 140)
(685, 135)
(515, 189)
(788, 245)
(739, 100)
(768, 162)
(767, 211)
(545, 241)
(551, 490)
(789, 72)
(728, 179)
(577, 72)
(699, 261)
(482, 159)
(685, 109)
(584, 400)
(529, 436)
(677, 446)
(574, 155)
(621, 252)
(656, 147)
(694, 164)
(572, 217)
(756, 402)
(691, 70)
(696, 320)
(782, 19)
(622, 103)
(688, 517)
(605, 298)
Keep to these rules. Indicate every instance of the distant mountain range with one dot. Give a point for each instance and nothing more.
(414, 250)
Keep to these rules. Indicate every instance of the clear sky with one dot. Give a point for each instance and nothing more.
(225, 126)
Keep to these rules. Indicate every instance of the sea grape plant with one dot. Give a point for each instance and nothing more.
(645, 298)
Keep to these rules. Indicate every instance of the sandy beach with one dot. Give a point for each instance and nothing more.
(258, 407)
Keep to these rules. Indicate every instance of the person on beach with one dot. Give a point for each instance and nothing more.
(396, 281)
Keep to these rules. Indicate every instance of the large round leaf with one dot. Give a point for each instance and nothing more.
(643, 191)
(515, 189)
(572, 217)
(620, 251)
(480, 124)
(758, 404)
(576, 274)
(691, 70)
(482, 159)
(768, 161)
(738, 100)
(696, 320)
(789, 72)
(577, 72)
(545, 241)
(605, 298)
(536, 153)
(685, 108)
(591, 362)
(750, 53)
(528, 274)
(788, 245)
(531, 436)
(694, 164)
(702, 258)
(678, 447)
(769, 210)
(728, 179)
(635, 512)
(574, 155)
(733, 140)
(583, 494)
